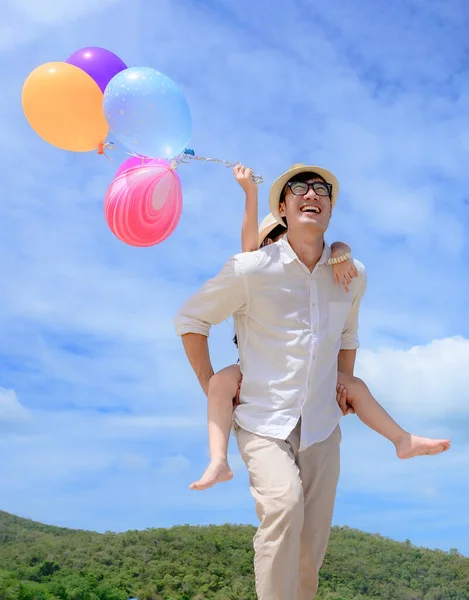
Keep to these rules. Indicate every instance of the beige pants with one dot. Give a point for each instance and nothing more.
(294, 494)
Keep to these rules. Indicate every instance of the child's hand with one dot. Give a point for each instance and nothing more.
(341, 396)
(236, 401)
(344, 272)
(244, 178)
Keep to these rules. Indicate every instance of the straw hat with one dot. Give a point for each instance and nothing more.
(278, 186)
(268, 224)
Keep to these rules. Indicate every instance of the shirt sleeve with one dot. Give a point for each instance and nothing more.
(350, 333)
(218, 299)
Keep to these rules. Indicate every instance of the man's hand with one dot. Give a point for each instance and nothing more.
(345, 407)
(236, 401)
(244, 177)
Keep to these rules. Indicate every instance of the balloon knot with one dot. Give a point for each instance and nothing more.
(103, 146)
(189, 152)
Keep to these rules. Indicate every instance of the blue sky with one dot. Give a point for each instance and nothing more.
(102, 424)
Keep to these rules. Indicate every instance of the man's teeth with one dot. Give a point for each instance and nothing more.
(314, 209)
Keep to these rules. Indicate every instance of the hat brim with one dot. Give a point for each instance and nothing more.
(269, 223)
(278, 186)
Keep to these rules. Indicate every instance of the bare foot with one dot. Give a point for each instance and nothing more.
(217, 472)
(413, 445)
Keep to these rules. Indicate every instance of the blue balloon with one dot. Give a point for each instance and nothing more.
(147, 113)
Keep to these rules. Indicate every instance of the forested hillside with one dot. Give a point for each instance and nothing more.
(204, 563)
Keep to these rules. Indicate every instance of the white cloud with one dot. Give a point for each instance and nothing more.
(428, 381)
(11, 410)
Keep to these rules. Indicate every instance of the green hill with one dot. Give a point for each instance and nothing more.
(201, 563)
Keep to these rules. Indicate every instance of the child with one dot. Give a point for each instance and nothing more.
(353, 395)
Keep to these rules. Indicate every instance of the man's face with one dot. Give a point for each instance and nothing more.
(306, 204)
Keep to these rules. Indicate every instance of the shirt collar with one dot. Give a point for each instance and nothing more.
(288, 254)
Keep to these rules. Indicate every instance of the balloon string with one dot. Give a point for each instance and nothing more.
(189, 155)
(142, 158)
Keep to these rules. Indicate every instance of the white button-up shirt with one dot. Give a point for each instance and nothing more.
(290, 324)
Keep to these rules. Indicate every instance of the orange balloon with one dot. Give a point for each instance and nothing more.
(64, 105)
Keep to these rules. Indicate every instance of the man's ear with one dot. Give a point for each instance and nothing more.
(281, 208)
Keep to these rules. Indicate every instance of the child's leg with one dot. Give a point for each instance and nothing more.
(221, 391)
(373, 414)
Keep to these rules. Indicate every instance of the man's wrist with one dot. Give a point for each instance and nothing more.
(346, 361)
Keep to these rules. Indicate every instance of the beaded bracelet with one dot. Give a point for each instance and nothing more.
(339, 259)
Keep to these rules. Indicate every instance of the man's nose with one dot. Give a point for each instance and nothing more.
(311, 194)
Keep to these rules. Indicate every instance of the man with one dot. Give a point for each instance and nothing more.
(295, 329)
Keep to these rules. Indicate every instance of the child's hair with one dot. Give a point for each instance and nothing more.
(273, 236)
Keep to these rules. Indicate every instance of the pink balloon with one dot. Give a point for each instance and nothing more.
(144, 204)
(138, 161)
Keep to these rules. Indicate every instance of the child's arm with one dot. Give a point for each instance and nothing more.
(345, 270)
(249, 231)
(339, 249)
(250, 228)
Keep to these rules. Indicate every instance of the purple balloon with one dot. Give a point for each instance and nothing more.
(136, 161)
(100, 64)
